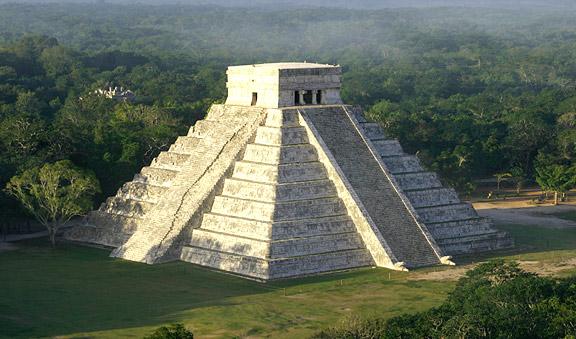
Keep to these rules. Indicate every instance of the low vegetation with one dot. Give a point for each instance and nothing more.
(174, 331)
(494, 300)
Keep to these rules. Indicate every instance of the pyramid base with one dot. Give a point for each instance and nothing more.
(274, 269)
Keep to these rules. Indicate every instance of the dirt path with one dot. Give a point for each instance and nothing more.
(541, 268)
(523, 213)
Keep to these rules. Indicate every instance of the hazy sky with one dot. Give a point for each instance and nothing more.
(552, 4)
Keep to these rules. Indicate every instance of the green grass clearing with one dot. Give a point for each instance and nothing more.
(75, 291)
(78, 291)
(569, 215)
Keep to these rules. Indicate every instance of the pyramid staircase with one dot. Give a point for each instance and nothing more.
(119, 216)
(279, 215)
(150, 208)
(456, 226)
(389, 211)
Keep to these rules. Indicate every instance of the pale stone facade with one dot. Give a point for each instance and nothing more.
(283, 85)
(284, 180)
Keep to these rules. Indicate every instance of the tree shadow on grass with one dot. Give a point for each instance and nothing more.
(73, 289)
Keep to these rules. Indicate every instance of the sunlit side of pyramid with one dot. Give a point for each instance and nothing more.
(284, 180)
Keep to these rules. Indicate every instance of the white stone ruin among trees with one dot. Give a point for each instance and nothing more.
(284, 180)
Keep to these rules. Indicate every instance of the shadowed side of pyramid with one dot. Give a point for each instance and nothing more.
(455, 226)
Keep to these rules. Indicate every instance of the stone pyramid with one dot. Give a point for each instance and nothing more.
(283, 181)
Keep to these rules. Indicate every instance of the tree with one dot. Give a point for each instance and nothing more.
(556, 178)
(496, 299)
(500, 177)
(353, 327)
(519, 178)
(22, 135)
(54, 193)
(174, 331)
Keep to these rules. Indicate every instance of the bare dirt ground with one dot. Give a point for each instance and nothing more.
(455, 273)
(524, 213)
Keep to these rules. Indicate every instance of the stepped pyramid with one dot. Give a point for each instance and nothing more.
(285, 180)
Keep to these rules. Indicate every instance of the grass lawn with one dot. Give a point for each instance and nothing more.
(74, 291)
(570, 215)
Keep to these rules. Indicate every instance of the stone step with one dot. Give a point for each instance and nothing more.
(418, 181)
(315, 245)
(263, 269)
(477, 243)
(265, 211)
(282, 118)
(229, 243)
(281, 192)
(222, 242)
(388, 148)
(285, 173)
(463, 228)
(433, 197)
(281, 135)
(141, 191)
(170, 160)
(278, 230)
(312, 227)
(304, 209)
(257, 210)
(156, 176)
(373, 131)
(280, 155)
(115, 223)
(446, 213)
(403, 164)
(251, 267)
(242, 227)
(203, 127)
(325, 262)
(126, 207)
(185, 144)
(357, 113)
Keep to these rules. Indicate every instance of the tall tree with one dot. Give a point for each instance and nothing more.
(501, 177)
(54, 193)
(556, 178)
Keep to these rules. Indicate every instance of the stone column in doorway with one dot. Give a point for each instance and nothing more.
(301, 98)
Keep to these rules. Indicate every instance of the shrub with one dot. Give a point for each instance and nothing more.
(174, 331)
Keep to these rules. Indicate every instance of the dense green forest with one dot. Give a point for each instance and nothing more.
(473, 92)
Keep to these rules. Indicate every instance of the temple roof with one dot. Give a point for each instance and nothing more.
(287, 65)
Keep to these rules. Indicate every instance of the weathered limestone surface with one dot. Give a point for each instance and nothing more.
(455, 226)
(278, 215)
(376, 190)
(285, 181)
(150, 217)
(164, 230)
(283, 84)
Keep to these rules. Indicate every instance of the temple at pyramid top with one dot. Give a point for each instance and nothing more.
(284, 180)
(284, 84)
